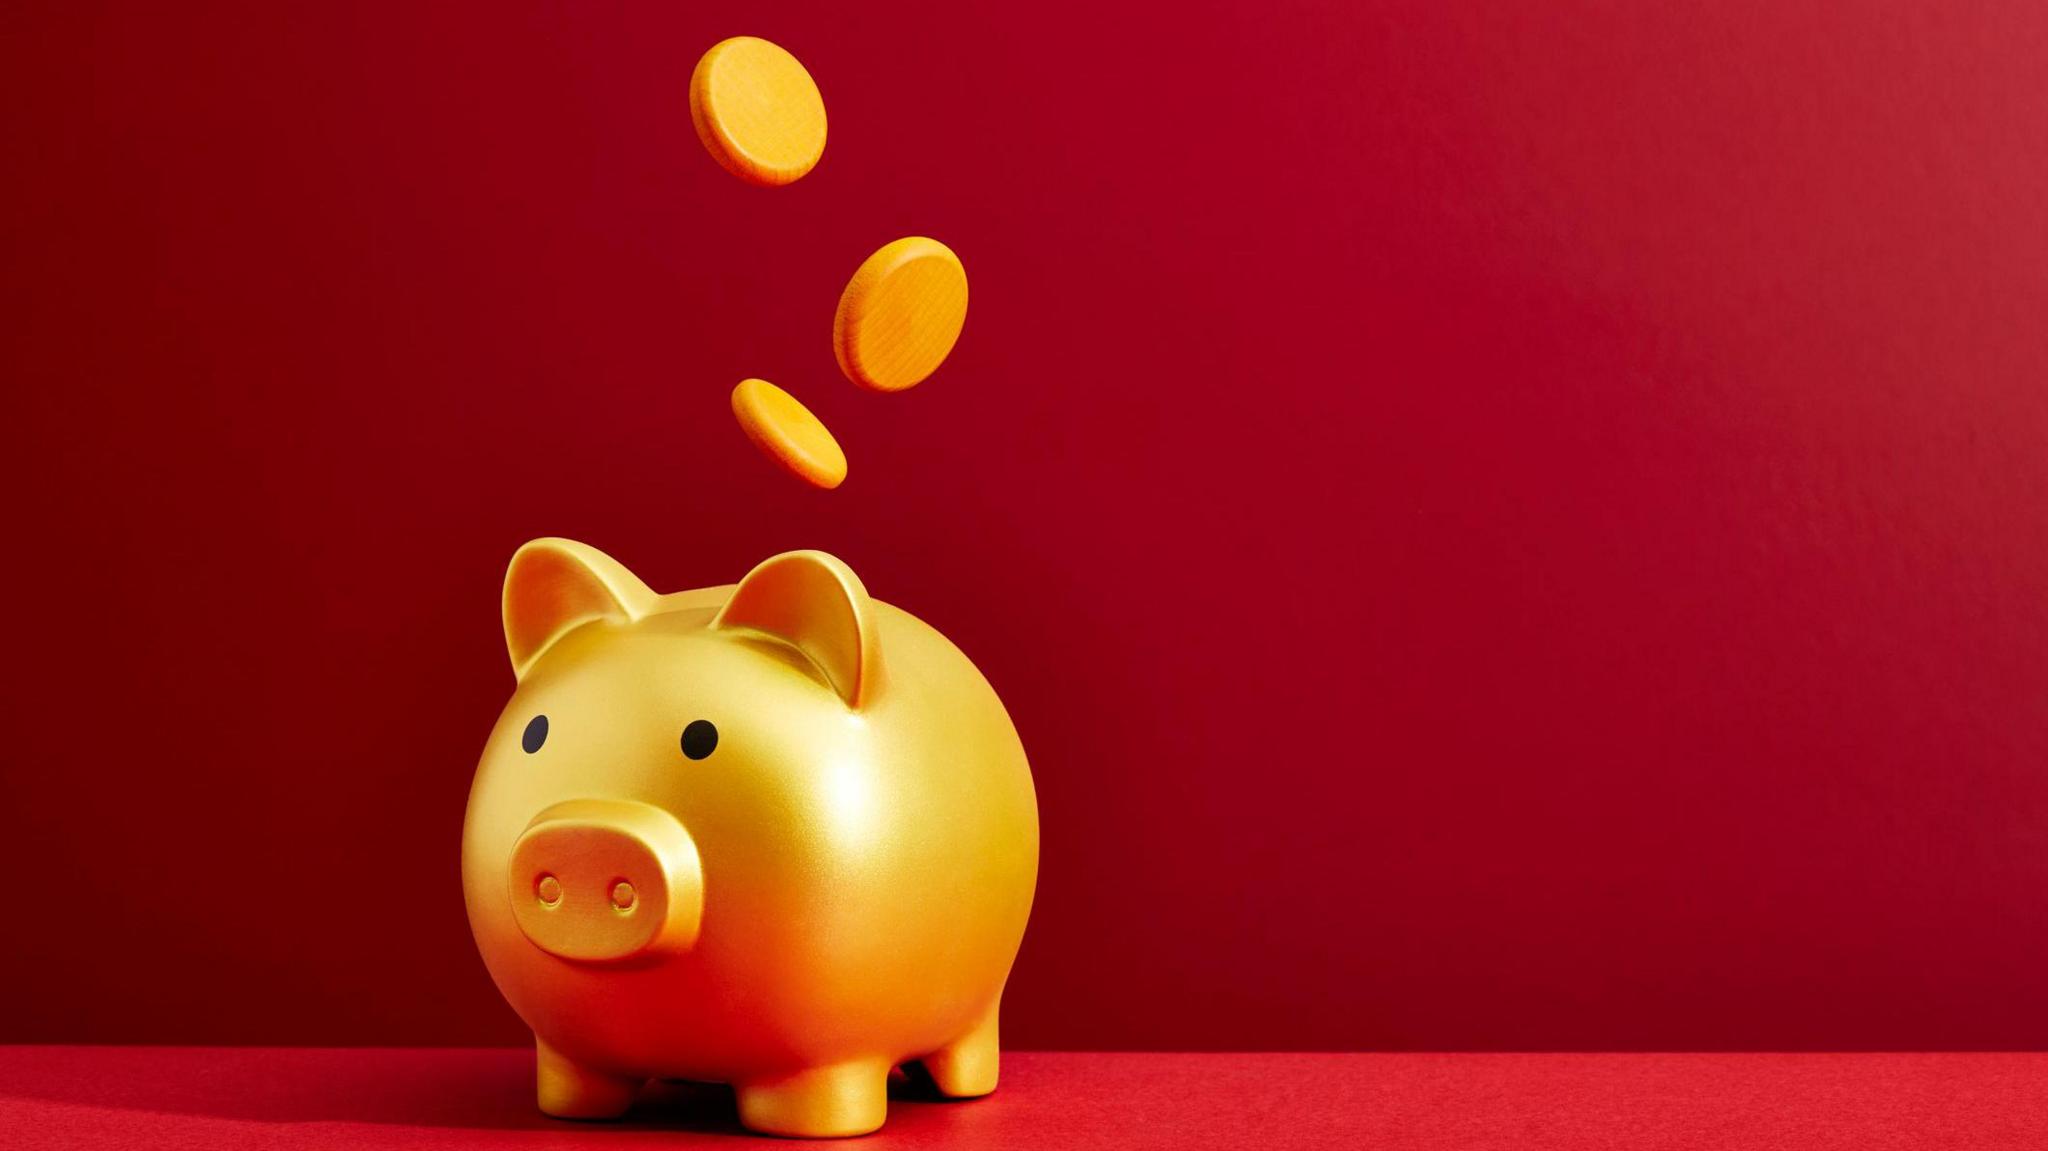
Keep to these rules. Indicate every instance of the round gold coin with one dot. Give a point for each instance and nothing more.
(900, 315)
(758, 112)
(788, 433)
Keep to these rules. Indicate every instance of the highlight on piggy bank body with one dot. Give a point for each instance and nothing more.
(774, 834)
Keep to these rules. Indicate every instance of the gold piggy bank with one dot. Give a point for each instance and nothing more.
(775, 834)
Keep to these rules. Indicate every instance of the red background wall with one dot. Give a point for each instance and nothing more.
(1499, 528)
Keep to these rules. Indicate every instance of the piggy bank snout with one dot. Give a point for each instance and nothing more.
(597, 880)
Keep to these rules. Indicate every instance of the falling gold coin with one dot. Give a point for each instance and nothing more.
(757, 111)
(788, 432)
(900, 315)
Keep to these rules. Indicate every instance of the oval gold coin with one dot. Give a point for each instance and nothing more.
(900, 314)
(788, 433)
(758, 111)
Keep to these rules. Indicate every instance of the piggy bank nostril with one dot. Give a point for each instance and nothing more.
(623, 895)
(548, 890)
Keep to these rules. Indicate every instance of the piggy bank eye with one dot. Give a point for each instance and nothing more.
(700, 738)
(535, 735)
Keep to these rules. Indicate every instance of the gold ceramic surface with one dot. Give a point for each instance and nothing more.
(839, 886)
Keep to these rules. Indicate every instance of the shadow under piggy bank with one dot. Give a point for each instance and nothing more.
(217, 1096)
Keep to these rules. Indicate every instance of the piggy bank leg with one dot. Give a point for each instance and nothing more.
(966, 1067)
(847, 1099)
(568, 1091)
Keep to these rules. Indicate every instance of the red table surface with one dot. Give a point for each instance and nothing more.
(363, 1097)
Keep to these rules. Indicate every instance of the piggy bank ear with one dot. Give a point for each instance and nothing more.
(555, 585)
(815, 604)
